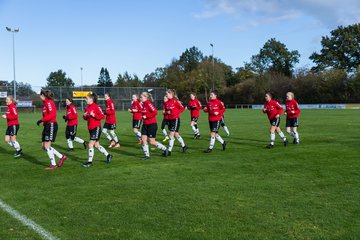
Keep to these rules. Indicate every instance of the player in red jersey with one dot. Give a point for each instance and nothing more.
(93, 115)
(137, 116)
(71, 118)
(273, 110)
(174, 108)
(110, 122)
(194, 106)
(292, 113)
(50, 129)
(215, 108)
(165, 121)
(13, 126)
(149, 127)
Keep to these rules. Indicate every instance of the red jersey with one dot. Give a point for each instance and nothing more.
(149, 112)
(173, 108)
(49, 111)
(194, 106)
(93, 121)
(12, 115)
(272, 109)
(110, 112)
(292, 109)
(136, 105)
(166, 115)
(71, 115)
(215, 106)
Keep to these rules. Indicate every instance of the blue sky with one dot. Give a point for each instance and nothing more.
(140, 35)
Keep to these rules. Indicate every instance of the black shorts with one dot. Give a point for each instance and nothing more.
(12, 130)
(95, 133)
(49, 132)
(70, 132)
(164, 123)
(292, 122)
(222, 122)
(275, 122)
(109, 126)
(194, 119)
(136, 124)
(149, 130)
(214, 126)
(174, 125)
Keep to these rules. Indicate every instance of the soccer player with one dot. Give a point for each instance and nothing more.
(13, 126)
(93, 115)
(50, 128)
(71, 118)
(149, 127)
(273, 110)
(215, 109)
(165, 121)
(194, 106)
(137, 116)
(173, 108)
(110, 122)
(292, 113)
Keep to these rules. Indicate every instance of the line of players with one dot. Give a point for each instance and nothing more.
(143, 110)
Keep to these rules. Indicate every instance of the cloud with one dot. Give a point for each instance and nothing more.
(329, 13)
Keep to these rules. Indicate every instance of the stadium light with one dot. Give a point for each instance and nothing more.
(213, 66)
(13, 31)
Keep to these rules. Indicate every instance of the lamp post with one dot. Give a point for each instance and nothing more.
(81, 87)
(213, 66)
(13, 31)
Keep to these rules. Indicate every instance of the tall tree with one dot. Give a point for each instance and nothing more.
(59, 78)
(275, 57)
(190, 59)
(104, 79)
(341, 50)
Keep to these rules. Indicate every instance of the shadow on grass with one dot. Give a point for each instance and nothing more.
(34, 160)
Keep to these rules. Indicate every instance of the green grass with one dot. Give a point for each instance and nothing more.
(306, 191)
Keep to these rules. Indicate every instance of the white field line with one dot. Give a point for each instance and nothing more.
(27, 222)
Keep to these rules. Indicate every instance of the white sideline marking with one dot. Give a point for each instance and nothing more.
(27, 222)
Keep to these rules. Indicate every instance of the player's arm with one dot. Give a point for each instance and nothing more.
(98, 114)
(50, 109)
(152, 111)
(13, 114)
(110, 109)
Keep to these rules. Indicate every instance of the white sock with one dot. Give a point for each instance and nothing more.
(226, 130)
(70, 143)
(193, 128)
(164, 132)
(181, 141)
(160, 146)
(11, 143)
(171, 144)
(78, 140)
(296, 135)
(50, 153)
(107, 135)
(91, 154)
(59, 155)
(146, 150)
(138, 134)
(219, 138)
(103, 150)
(212, 142)
(281, 134)
(16, 145)
(272, 138)
(113, 134)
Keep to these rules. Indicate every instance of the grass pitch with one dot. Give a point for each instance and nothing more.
(306, 191)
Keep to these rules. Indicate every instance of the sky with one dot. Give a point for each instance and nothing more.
(140, 35)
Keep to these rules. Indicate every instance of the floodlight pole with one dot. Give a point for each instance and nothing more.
(213, 66)
(81, 87)
(13, 31)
